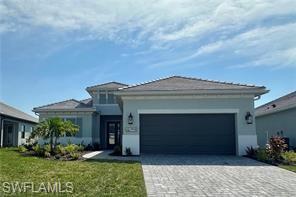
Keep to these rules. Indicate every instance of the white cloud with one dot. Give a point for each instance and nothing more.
(272, 46)
(209, 25)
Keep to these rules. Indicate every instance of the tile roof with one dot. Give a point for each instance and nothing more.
(285, 102)
(15, 113)
(186, 83)
(109, 85)
(88, 101)
(165, 84)
(67, 104)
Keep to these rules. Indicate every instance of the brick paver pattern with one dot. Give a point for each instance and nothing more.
(179, 175)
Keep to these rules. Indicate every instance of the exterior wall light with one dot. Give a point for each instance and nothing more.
(249, 118)
(130, 119)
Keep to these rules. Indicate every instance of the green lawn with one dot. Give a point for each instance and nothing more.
(287, 167)
(89, 178)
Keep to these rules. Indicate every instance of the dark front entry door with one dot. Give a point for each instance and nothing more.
(113, 134)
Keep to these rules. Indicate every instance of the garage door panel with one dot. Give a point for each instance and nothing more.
(201, 142)
(187, 133)
(193, 150)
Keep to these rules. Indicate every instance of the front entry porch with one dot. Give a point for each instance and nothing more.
(110, 131)
(9, 133)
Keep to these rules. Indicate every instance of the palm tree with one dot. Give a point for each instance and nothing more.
(54, 128)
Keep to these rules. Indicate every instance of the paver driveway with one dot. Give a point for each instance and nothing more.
(178, 175)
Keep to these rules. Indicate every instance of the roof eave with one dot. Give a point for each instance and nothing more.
(19, 118)
(255, 91)
(65, 110)
(275, 110)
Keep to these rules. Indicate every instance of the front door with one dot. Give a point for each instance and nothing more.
(113, 134)
(8, 135)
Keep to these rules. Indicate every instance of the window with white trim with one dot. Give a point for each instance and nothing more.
(106, 97)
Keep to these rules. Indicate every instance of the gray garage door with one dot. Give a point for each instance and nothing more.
(187, 133)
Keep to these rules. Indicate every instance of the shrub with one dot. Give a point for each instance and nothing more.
(74, 155)
(276, 147)
(289, 157)
(29, 146)
(59, 149)
(116, 150)
(262, 155)
(71, 148)
(80, 147)
(22, 149)
(38, 150)
(46, 148)
(128, 151)
(251, 152)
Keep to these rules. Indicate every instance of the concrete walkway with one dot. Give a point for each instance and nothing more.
(176, 175)
(105, 155)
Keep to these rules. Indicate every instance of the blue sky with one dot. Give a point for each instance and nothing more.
(51, 51)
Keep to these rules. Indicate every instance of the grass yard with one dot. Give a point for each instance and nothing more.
(89, 178)
(288, 167)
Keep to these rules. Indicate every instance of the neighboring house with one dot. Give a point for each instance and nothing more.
(15, 127)
(176, 114)
(277, 117)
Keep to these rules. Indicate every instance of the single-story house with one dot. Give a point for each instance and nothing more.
(15, 127)
(277, 117)
(178, 115)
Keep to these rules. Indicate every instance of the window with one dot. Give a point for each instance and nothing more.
(102, 98)
(23, 135)
(73, 120)
(76, 121)
(106, 97)
(79, 123)
(23, 131)
(111, 98)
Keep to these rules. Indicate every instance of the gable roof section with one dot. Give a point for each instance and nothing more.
(110, 85)
(67, 105)
(88, 101)
(283, 103)
(179, 83)
(15, 113)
